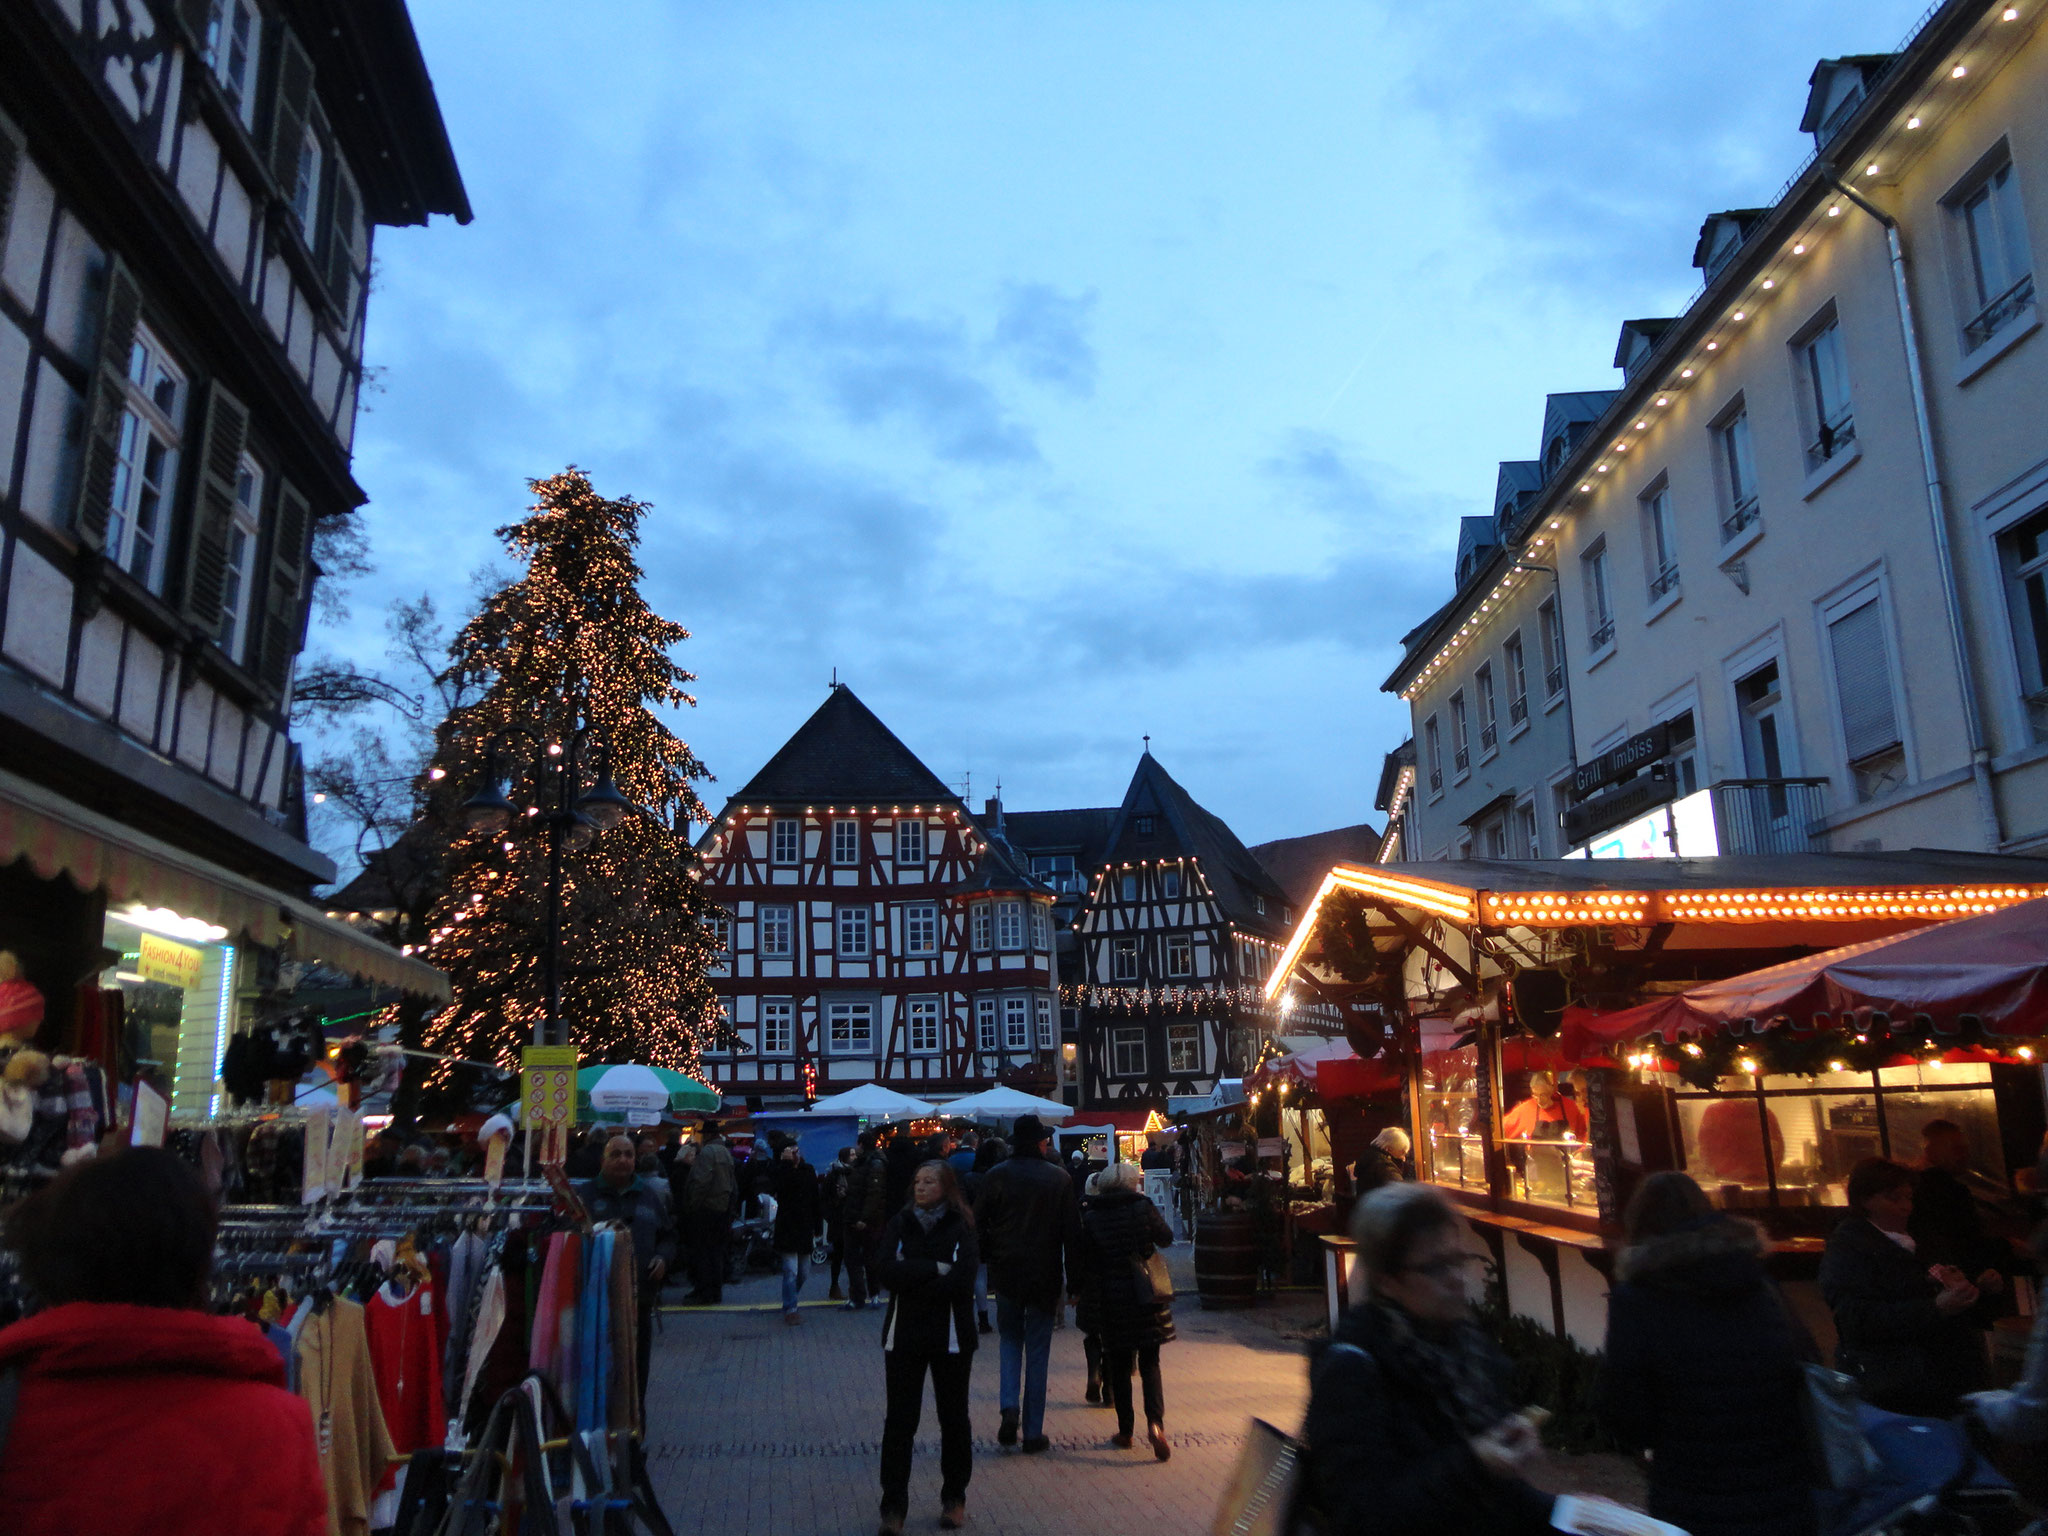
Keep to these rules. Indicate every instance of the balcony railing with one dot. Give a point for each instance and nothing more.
(1489, 738)
(1518, 709)
(1744, 513)
(1553, 682)
(1461, 759)
(1835, 439)
(1993, 317)
(1603, 632)
(1666, 580)
(1769, 815)
(1436, 781)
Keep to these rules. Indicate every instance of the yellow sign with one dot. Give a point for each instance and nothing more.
(550, 1091)
(163, 960)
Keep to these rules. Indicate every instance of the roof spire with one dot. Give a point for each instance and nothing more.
(1148, 743)
(835, 678)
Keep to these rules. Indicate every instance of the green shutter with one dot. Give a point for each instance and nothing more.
(213, 520)
(106, 402)
(288, 113)
(281, 598)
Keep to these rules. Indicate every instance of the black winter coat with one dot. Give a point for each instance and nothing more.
(1029, 1223)
(797, 1216)
(1904, 1354)
(1117, 1226)
(832, 1187)
(1386, 1459)
(1377, 1167)
(1703, 1370)
(898, 1169)
(865, 1194)
(929, 1313)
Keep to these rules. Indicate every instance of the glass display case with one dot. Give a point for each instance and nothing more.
(1452, 1149)
(1551, 1171)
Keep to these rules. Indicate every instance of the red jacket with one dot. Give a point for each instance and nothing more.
(153, 1421)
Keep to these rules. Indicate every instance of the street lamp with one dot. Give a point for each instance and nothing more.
(573, 817)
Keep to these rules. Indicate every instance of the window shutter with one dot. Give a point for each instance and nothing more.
(288, 116)
(106, 402)
(213, 519)
(1863, 682)
(340, 269)
(281, 601)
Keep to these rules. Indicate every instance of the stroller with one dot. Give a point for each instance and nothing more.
(753, 1241)
(1934, 1481)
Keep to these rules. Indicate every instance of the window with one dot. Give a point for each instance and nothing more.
(1762, 704)
(1169, 884)
(1599, 596)
(985, 1023)
(1489, 733)
(718, 928)
(1258, 904)
(1824, 392)
(1863, 690)
(237, 578)
(1432, 740)
(921, 929)
(1994, 239)
(785, 840)
(910, 845)
(232, 30)
(306, 185)
(778, 1026)
(146, 466)
(850, 1028)
(1041, 1012)
(924, 1026)
(1057, 870)
(1684, 753)
(343, 257)
(778, 932)
(1735, 470)
(1016, 1023)
(1526, 836)
(1009, 925)
(1660, 541)
(1184, 1049)
(1146, 825)
(1518, 680)
(1041, 926)
(853, 932)
(1127, 1052)
(979, 927)
(2023, 554)
(845, 842)
(1551, 628)
(1130, 887)
(1461, 751)
(1123, 960)
(1180, 954)
(1496, 839)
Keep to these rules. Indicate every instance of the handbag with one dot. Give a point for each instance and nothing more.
(1151, 1282)
(1259, 1498)
(1841, 1456)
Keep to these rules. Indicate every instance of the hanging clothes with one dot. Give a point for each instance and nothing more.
(623, 1388)
(406, 1360)
(337, 1379)
(593, 1335)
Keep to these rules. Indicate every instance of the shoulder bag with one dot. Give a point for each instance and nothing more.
(1151, 1282)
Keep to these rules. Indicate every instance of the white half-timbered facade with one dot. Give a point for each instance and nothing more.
(876, 932)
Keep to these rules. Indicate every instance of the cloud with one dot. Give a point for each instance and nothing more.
(1045, 333)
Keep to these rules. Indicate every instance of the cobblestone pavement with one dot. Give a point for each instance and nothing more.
(759, 1429)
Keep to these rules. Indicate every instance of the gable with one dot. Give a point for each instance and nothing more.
(844, 753)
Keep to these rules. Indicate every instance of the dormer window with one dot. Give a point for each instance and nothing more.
(1145, 825)
(1553, 454)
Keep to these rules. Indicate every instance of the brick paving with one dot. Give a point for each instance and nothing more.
(759, 1429)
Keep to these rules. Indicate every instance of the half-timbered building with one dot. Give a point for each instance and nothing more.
(876, 930)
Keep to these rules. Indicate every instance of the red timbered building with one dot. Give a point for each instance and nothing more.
(877, 932)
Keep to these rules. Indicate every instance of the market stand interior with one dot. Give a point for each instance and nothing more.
(1474, 975)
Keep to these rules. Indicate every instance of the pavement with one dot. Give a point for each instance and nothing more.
(759, 1429)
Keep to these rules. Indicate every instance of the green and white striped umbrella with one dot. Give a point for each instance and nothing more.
(615, 1093)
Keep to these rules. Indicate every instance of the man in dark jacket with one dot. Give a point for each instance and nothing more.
(620, 1194)
(1948, 1223)
(832, 1187)
(797, 1224)
(706, 1212)
(1029, 1223)
(1385, 1161)
(1900, 1321)
(865, 1212)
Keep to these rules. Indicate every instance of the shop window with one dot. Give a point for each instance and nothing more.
(1544, 1141)
(1453, 1147)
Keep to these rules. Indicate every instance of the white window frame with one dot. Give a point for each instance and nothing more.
(1041, 1011)
(1016, 1023)
(1660, 541)
(1461, 740)
(785, 841)
(143, 508)
(1868, 588)
(1528, 822)
(778, 1026)
(1127, 1053)
(1433, 753)
(1489, 712)
(1169, 884)
(1183, 1050)
(1180, 954)
(238, 582)
(910, 845)
(2026, 617)
(987, 1035)
(234, 52)
(306, 185)
(1124, 947)
(775, 921)
(1596, 574)
(1735, 479)
(1994, 262)
(849, 1027)
(1550, 631)
(853, 933)
(1515, 660)
(980, 928)
(921, 929)
(1010, 926)
(845, 843)
(1041, 927)
(924, 1025)
(1820, 365)
(1745, 663)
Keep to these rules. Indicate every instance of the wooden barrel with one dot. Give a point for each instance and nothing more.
(1226, 1259)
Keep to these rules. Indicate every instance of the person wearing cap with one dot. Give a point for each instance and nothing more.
(1029, 1221)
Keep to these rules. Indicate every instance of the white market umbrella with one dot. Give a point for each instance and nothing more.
(1005, 1104)
(871, 1101)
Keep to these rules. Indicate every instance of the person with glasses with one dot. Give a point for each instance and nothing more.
(1410, 1429)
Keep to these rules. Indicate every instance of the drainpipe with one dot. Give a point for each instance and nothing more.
(1937, 511)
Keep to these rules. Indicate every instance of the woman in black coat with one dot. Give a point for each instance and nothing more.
(1410, 1428)
(1900, 1322)
(1120, 1228)
(798, 1221)
(1703, 1369)
(926, 1258)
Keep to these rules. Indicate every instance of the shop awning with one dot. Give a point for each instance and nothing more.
(95, 852)
(1331, 1070)
(1991, 970)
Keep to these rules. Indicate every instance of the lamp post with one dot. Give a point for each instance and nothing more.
(572, 816)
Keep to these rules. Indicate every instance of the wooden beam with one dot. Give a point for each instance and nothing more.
(1416, 936)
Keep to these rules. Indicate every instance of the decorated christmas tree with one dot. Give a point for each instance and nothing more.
(569, 656)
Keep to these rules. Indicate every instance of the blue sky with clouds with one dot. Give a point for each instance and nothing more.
(1059, 373)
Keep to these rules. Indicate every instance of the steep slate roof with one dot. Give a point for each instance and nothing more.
(1233, 874)
(1083, 833)
(1002, 868)
(844, 754)
(1299, 863)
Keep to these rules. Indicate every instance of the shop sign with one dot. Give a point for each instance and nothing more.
(1618, 805)
(1618, 762)
(168, 961)
(550, 1089)
(1682, 830)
